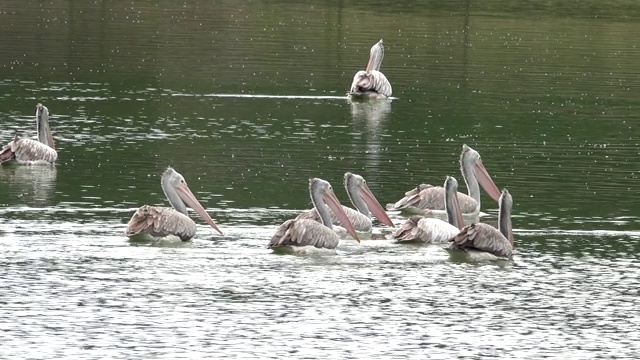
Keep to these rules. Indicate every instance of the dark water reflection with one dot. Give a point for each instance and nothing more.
(247, 102)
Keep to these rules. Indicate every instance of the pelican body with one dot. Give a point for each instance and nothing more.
(482, 242)
(433, 230)
(363, 200)
(157, 223)
(429, 200)
(305, 235)
(33, 152)
(371, 83)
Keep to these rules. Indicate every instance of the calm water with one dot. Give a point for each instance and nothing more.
(247, 102)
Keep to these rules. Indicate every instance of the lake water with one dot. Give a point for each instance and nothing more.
(247, 101)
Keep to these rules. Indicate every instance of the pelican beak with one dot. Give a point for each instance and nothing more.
(484, 179)
(374, 206)
(375, 58)
(42, 123)
(458, 214)
(334, 204)
(370, 64)
(187, 196)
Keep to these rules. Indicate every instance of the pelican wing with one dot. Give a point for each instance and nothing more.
(429, 197)
(311, 215)
(422, 197)
(429, 230)
(374, 81)
(304, 232)
(409, 197)
(159, 222)
(27, 151)
(482, 237)
(360, 221)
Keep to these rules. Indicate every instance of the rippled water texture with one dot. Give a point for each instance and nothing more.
(247, 101)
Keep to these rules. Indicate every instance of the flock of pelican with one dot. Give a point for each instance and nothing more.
(314, 230)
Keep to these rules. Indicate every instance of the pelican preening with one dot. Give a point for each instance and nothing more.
(371, 82)
(363, 200)
(303, 235)
(482, 242)
(168, 224)
(433, 230)
(33, 152)
(429, 200)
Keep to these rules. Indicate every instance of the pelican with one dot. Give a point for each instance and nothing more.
(363, 200)
(482, 242)
(168, 224)
(432, 230)
(29, 151)
(429, 200)
(371, 82)
(305, 235)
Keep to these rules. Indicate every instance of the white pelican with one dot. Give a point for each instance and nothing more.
(429, 200)
(482, 242)
(371, 82)
(29, 151)
(362, 199)
(306, 235)
(164, 223)
(432, 230)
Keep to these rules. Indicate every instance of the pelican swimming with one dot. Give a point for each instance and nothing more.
(29, 151)
(371, 82)
(363, 200)
(305, 235)
(429, 200)
(483, 242)
(164, 223)
(432, 230)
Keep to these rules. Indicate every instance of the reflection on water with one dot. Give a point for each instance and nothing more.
(372, 113)
(33, 186)
(369, 118)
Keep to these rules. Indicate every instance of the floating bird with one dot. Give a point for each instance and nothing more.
(432, 230)
(362, 199)
(429, 200)
(483, 242)
(306, 235)
(164, 223)
(29, 151)
(371, 82)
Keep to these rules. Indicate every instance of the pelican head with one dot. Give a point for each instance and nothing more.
(451, 205)
(450, 184)
(470, 160)
(375, 57)
(363, 199)
(179, 195)
(42, 124)
(322, 193)
(504, 215)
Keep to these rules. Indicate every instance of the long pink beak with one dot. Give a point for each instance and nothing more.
(187, 196)
(374, 206)
(334, 204)
(484, 179)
